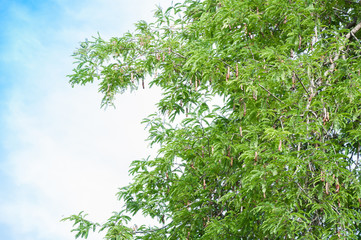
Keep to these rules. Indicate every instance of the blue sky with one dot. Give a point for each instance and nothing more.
(60, 153)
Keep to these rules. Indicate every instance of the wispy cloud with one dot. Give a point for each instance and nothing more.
(62, 153)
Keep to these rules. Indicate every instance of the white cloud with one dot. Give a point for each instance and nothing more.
(64, 153)
(73, 156)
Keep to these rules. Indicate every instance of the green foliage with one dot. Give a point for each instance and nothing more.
(280, 158)
(83, 226)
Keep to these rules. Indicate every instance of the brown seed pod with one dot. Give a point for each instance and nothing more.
(337, 185)
(244, 109)
(228, 73)
(327, 188)
(204, 184)
(231, 161)
(322, 176)
(280, 146)
(237, 70)
(143, 83)
(240, 131)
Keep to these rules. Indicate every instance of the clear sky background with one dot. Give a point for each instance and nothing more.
(59, 152)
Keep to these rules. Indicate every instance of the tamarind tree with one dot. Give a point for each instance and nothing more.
(279, 158)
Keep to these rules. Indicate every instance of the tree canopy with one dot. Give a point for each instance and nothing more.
(279, 158)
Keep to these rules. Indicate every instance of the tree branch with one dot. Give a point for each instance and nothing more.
(299, 80)
(337, 56)
(354, 30)
(352, 24)
(150, 230)
(271, 93)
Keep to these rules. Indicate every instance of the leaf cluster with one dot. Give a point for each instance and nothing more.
(279, 157)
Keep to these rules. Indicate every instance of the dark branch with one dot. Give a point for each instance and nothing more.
(299, 80)
(271, 93)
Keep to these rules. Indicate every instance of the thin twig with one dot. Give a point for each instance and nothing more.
(355, 37)
(150, 230)
(337, 56)
(344, 12)
(299, 80)
(280, 119)
(303, 190)
(354, 30)
(271, 93)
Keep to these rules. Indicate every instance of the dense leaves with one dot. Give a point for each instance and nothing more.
(279, 159)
